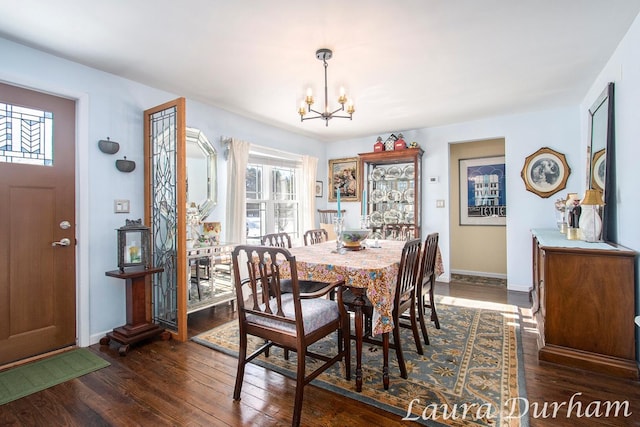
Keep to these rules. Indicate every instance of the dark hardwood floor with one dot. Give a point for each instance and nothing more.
(168, 383)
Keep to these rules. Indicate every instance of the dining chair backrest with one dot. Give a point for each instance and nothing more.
(428, 263)
(399, 231)
(315, 236)
(262, 277)
(407, 274)
(327, 215)
(281, 240)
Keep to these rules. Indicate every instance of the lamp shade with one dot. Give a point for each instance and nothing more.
(592, 197)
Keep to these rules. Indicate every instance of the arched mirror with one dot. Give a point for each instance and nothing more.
(202, 184)
(601, 167)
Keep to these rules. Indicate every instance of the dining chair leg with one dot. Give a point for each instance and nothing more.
(414, 328)
(344, 344)
(242, 360)
(297, 403)
(399, 355)
(432, 304)
(423, 326)
(385, 362)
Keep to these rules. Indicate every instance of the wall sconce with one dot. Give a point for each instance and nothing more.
(124, 165)
(133, 245)
(108, 147)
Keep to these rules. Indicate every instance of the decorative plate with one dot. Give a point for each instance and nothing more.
(394, 196)
(393, 172)
(408, 194)
(377, 174)
(378, 196)
(408, 217)
(408, 172)
(376, 219)
(391, 216)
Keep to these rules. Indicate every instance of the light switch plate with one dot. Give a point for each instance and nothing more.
(434, 180)
(121, 206)
(439, 203)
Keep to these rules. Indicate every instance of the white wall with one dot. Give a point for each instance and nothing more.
(524, 134)
(624, 70)
(109, 106)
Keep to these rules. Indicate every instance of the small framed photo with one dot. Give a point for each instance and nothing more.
(344, 174)
(545, 172)
(319, 189)
(598, 170)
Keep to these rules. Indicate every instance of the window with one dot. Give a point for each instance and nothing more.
(26, 135)
(273, 188)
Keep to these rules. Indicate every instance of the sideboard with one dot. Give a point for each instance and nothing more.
(583, 300)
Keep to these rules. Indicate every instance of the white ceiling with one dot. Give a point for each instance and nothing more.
(406, 63)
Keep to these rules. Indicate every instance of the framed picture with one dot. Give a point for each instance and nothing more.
(344, 174)
(483, 194)
(598, 170)
(318, 188)
(545, 172)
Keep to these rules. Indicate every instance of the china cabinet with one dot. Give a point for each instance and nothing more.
(392, 181)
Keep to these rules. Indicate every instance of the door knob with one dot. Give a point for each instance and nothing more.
(62, 242)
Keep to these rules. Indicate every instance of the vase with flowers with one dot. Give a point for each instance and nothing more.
(561, 219)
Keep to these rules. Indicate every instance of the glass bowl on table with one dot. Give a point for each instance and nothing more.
(352, 239)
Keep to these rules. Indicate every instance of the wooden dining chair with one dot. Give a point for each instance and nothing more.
(327, 215)
(399, 232)
(315, 236)
(281, 240)
(292, 321)
(427, 283)
(404, 299)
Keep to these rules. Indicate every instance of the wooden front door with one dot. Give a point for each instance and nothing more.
(37, 214)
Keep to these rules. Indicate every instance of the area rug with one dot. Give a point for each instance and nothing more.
(36, 376)
(470, 375)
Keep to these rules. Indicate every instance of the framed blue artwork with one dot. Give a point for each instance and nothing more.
(483, 191)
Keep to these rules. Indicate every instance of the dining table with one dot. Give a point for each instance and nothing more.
(370, 271)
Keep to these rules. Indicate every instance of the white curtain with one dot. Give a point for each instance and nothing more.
(309, 169)
(236, 215)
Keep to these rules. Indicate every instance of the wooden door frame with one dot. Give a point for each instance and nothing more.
(82, 176)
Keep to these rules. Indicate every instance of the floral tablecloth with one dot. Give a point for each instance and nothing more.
(375, 269)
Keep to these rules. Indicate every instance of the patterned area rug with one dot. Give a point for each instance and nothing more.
(470, 375)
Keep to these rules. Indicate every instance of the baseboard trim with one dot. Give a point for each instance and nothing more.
(479, 273)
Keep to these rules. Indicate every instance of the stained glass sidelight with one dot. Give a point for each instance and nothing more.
(26, 135)
(164, 216)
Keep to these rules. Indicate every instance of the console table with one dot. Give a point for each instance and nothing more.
(139, 325)
(583, 301)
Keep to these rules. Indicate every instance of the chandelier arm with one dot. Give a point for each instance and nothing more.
(314, 117)
(336, 110)
(315, 111)
(342, 117)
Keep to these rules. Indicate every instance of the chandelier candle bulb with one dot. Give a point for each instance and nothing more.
(309, 97)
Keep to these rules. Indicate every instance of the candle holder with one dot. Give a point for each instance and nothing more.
(364, 222)
(338, 224)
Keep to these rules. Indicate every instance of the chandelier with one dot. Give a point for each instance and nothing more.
(324, 55)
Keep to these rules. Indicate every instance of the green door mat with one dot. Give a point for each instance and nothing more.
(32, 377)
